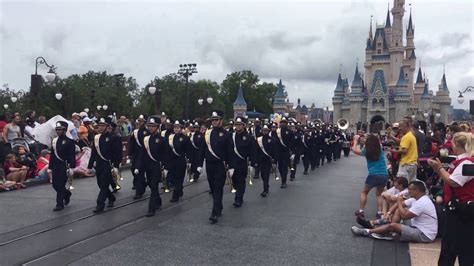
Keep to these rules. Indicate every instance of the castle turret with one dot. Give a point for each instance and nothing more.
(419, 86)
(279, 100)
(356, 97)
(338, 98)
(402, 97)
(443, 101)
(240, 105)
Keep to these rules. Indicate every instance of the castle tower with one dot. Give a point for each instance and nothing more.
(397, 52)
(443, 101)
(280, 105)
(419, 86)
(426, 98)
(240, 105)
(338, 98)
(410, 56)
(402, 97)
(356, 98)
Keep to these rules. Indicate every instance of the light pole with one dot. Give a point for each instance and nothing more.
(156, 93)
(37, 80)
(461, 97)
(187, 70)
(209, 100)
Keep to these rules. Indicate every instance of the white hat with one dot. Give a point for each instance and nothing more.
(395, 124)
(86, 119)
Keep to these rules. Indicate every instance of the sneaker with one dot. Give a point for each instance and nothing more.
(381, 237)
(359, 231)
(359, 213)
(364, 223)
(379, 215)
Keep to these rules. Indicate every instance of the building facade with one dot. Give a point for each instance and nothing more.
(389, 91)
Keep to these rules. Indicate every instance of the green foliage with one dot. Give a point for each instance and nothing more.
(123, 96)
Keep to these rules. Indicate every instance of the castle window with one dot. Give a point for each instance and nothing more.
(379, 44)
(396, 44)
(379, 51)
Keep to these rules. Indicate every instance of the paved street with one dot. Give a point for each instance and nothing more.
(307, 223)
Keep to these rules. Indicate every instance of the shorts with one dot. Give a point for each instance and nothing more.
(376, 180)
(413, 234)
(407, 171)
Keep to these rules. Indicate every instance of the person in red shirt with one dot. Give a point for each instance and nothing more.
(42, 165)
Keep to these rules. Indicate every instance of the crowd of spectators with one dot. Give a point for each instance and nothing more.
(429, 191)
(23, 158)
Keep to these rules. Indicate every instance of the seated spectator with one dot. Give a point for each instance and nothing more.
(418, 213)
(14, 171)
(27, 159)
(42, 165)
(82, 160)
(390, 196)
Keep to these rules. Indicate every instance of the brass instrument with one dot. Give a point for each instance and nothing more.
(70, 178)
(250, 174)
(116, 175)
(342, 124)
(274, 171)
(292, 162)
(164, 174)
(189, 173)
(229, 181)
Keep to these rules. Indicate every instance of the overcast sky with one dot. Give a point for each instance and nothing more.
(302, 42)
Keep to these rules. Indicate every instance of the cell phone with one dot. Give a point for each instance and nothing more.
(468, 170)
(447, 159)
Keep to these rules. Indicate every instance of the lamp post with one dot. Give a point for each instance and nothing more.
(187, 70)
(461, 97)
(156, 93)
(209, 101)
(37, 80)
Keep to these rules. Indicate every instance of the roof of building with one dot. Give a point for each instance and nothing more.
(426, 92)
(413, 55)
(380, 32)
(410, 29)
(444, 84)
(401, 78)
(378, 79)
(357, 81)
(419, 77)
(240, 97)
(387, 21)
(340, 84)
(280, 90)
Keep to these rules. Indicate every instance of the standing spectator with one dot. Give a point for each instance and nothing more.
(451, 130)
(125, 126)
(378, 173)
(42, 120)
(14, 171)
(3, 149)
(458, 239)
(12, 130)
(408, 152)
(420, 138)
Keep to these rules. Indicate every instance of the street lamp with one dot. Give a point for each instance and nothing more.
(14, 99)
(461, 97)
(105, 107)
(187, 70)
(99, 107)
(152, 90)
(5, 106)
(86, 110)
(209, 100)
(37, 80)
(58, 96)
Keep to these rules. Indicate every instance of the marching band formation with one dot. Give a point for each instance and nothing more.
(165, 151)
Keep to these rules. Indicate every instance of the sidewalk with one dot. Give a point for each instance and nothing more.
(425, 254)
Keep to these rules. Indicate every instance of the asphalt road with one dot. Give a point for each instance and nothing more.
(307, 223)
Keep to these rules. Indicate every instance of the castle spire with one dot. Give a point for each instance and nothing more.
(240, 97)
(410, 30)
(419, 77)
(357, 81)
(388, 24)
(370, 30)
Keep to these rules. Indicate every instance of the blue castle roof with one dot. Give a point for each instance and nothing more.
(280, 93)
(240, 97)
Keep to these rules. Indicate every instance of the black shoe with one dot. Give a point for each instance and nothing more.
(133, 188)
(174, 199)
(283, 186)
(237, 204)
(292, 178)
(213, 218)
(67, 199)
(110, 204)
(150, 213)
(58, 208)
(98, 209)
(263, 194)
(210, 192)
(365, 223)
(305, 173)
(136, 197)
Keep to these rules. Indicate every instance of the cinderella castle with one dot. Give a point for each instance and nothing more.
(389, 90)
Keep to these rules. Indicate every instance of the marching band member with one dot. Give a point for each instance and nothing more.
(320, 147)
(197, 142)
(243, 145)
(284, 143)
(106, 153)
(265, 156)
(153, 153)
(179, 149)
(63, 159)
(308, 149)
(296, 149)
(216, 152)
(256, 131)
(135, 153)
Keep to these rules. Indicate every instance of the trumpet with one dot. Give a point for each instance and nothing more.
(274, 171)
(70, 178)
(164, 174)
(116, 175)
(229, 181)
(250, 174)
(189, 172)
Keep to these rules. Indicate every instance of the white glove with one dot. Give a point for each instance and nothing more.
(165, 172)
(199, 169)
(292, 157)
(136, 171)
(231, 172)
(188, 165)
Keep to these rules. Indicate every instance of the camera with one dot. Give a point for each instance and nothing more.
(468, 170)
